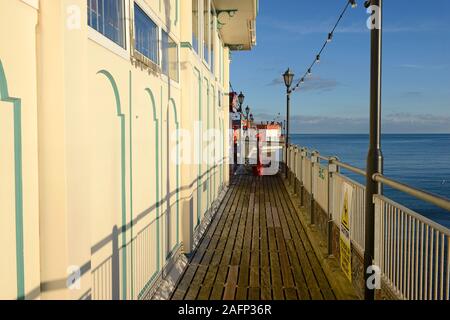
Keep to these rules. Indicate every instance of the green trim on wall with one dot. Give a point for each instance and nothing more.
(131, 181)
(214, 126)
(208, 173)
(222, 142)
(157, 175)
(199, 170)
(18, 180)
(186, 45)
(177, 9)
(162, 171)
(123, 173)
(177, 124)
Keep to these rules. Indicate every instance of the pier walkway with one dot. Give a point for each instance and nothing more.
(257, 248)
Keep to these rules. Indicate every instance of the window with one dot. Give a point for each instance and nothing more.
(107, 17)
(213, 38)
(195, 26)
(146, 35)
(207, 31)
(169, 57)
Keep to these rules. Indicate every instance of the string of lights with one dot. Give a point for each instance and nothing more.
(350, 3)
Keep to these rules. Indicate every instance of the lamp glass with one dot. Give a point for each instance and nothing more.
(241, 98)
(288, 77)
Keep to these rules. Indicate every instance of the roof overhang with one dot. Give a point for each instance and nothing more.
(237, 22)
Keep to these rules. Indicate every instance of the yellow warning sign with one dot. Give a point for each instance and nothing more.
(344, 241)
(346, 257)
(345, 219)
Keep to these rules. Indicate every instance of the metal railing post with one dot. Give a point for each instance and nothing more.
(332, 169)
(375, 156)
(295, 169)
(302, 155)
(314, 160)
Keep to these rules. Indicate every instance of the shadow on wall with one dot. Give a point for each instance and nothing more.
(110, 268)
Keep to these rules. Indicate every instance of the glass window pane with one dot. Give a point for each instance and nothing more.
(206, 33)
(195, 32)
(165, 53)
(173, 60)
(170, 59)
(107, 17)
(146, 35)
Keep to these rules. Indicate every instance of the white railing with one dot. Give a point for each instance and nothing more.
(357, 209)
(412, 251)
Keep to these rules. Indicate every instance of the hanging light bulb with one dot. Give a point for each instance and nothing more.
(309, 72)
(353, 3)
(318, 58)
(330, 37)
(302, 80)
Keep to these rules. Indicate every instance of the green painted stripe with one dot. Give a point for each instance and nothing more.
(199, 191)
(177, 124)
(161, 176)
(156, 123)
(18, 180)
(131, 181)
(177, 11)
(186, 45)
(123, 178)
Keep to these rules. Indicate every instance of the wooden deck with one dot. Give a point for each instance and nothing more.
(256, 248)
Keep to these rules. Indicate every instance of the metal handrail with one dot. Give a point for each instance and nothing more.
(437, 200)
(349, 167)
(419, 194)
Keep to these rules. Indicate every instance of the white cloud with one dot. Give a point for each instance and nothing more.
(392, 123)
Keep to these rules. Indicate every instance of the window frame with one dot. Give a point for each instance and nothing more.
(138, 56)
(102, 40)
(207, 10)
(170, 37)
(197, 49)
(214, 36)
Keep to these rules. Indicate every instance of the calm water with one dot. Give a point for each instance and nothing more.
(422, 161)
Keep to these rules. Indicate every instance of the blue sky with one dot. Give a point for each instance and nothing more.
(416, 66)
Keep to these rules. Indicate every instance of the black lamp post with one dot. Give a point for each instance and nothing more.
(241, 99)
(247, 111)
(288, 77)
(375, 155)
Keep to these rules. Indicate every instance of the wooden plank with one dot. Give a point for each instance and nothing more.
(275, 270)
(301, 245)
(230, 287)
(256, 248)
(225, 253)
(318, 272)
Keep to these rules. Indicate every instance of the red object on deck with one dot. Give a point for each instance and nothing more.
(258, 169)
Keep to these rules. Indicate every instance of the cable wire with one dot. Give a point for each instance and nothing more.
(351, 3)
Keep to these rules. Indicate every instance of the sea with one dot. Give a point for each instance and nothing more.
(419, 160)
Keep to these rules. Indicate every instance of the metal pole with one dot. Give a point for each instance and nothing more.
(375, 156)
(288, 105)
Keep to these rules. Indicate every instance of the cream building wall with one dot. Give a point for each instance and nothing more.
(89, 182)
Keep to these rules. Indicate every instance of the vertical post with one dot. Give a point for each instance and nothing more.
(314, 160)
(375, 156)
(288, 106)
(294, 163)
(302, 152)
(332, 169)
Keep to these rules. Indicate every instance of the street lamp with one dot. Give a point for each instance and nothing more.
(247, 111)
(288, 77)
(241, 99)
